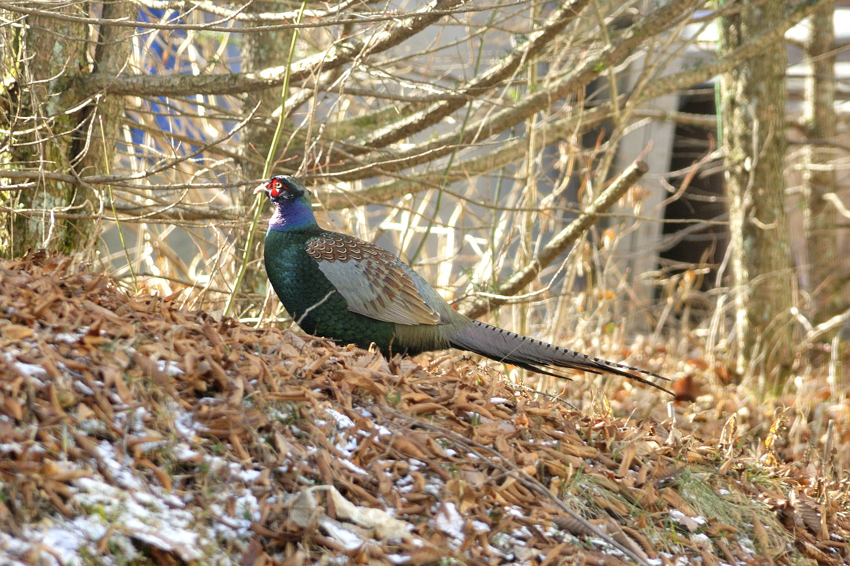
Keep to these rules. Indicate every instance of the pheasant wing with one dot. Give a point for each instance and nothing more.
(373, 281)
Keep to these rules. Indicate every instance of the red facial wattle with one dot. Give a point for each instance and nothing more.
(273, 188)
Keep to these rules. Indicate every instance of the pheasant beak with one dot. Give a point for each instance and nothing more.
(261, 188)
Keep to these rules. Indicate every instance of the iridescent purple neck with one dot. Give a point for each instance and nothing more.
(292, 215)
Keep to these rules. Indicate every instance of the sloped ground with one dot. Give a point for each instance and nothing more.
(132, 432)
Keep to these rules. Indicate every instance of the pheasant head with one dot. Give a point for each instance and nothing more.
(291, 201)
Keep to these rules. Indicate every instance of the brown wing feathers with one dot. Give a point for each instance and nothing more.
(371, 280)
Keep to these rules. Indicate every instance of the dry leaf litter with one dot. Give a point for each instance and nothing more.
(133, 432)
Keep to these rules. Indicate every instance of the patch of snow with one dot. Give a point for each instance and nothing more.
(480, 527)
(83, 388)
(169, 368)
(186, 424)
(690, 523)
(151, 502)
(342, 421)
(551, 531)
(336, 531)
(122, 474)
(747, 545)
(140, 515)
(702, 542)
(11, 547)
(247, 476)
(117, 403)
(449, 521)
(152, 445)
(607, 548)
(353, 467)
(276, 414)
(348, 447)
(11, 448)
(91, 426)
(498, 400)
(66, 540)
(248, 510)
(180, 541)
(67, 337)
(217, 465)
(139, 419)
(29, 370)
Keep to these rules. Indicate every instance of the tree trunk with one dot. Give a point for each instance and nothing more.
(50, 130)
(105, 117)
(41, 58)
(819, 178)
(753, 115)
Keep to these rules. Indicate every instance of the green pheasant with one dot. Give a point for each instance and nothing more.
(351, 291)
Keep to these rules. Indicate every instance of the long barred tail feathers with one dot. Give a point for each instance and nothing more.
(535, 355)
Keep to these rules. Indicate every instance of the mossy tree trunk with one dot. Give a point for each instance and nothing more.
(753, 101)
(825, 281)
(41, 57)
(104, 116)
(49, 130)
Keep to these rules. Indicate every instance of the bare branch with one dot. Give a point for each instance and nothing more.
(563, 240)
(27, 8)
(507, 153)
(756, 45)
(480, 84)
(255, 17)
(335, 56)
(661, 19)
